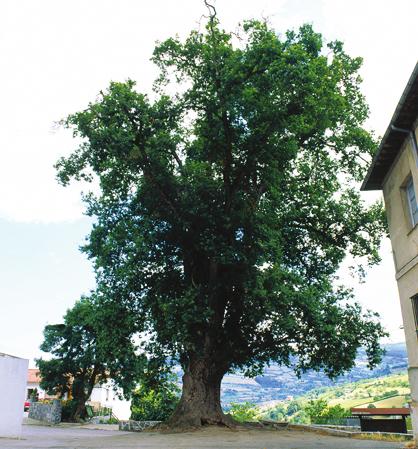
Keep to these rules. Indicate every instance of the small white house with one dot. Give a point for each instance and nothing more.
(105, 396)
(13, 375)
(33, 381)
(102, 396)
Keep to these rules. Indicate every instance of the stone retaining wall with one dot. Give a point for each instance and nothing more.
(50, 413)
(383, 436)
(322, 430)
(136, 426)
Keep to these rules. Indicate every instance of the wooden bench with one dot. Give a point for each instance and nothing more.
(392, 419)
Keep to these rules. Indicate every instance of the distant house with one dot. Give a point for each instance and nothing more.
(32, 384)
(12, 394)
(102, 396)
(394, 170)
(105, 396)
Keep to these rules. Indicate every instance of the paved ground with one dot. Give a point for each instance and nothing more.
(79, 437)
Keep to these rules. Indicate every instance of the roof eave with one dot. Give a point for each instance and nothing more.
(392, 140)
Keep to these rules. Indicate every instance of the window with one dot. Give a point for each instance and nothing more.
(414, 300)
(412, 201)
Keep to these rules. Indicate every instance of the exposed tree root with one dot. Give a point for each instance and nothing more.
(189, 423)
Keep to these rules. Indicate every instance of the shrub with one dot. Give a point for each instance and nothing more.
(243, 412)
(320, 413)
(315, 409)
(277, 414)
(300, 418)
(154, 404)
(293, 407)
(68, 409)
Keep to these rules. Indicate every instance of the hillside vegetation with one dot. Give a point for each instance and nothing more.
(278, 383)
(387, 391)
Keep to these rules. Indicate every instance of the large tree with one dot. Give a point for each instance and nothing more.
(87, 349)
(226, 206)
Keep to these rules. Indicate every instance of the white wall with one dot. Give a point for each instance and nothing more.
(33, 385)
(13, 376)
(107, 397)
(122, 409)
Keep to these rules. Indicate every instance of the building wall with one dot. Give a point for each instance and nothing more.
(31, 386)
(107, 397)
(13, 374)
(404, 239)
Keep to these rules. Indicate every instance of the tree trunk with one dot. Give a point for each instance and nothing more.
(82, 390)
(200, 403)
(79, 411)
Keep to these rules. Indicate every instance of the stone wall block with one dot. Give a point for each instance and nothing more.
(50, 413)
(136, 426)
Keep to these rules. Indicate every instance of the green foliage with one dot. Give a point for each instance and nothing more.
(68, 409)
(319, 412)
(331, 415)
(316, 409)
(243, 412)
(155, 404)
(80, 356)
(337, 412)
(371, 406)
(386, 394)
(276, 414)
(34, 395)
(293, 407)
(225, 209)
(329, 404)
(316, 404)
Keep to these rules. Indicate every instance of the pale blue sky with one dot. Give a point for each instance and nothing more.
(42, 274)
(57, 55)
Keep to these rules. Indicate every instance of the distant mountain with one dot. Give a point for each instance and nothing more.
(280, 382)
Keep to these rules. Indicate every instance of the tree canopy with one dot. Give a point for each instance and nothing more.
(225, 208)
(82, 357)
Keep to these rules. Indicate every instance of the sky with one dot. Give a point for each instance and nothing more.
(56, 55)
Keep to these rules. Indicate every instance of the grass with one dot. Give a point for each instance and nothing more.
(377, 436)
(394, 401)
(357, 394)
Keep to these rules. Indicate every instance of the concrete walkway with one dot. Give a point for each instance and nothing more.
(213, 438)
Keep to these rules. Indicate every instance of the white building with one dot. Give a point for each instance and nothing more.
(102, 396)
(105, 396)
(33, 381)
(13, 375)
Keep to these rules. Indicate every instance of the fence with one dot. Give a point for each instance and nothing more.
(100, 414)
(347, 421)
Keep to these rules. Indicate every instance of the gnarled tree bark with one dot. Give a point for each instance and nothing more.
(200, 403)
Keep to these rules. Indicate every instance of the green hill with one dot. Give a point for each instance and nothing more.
(386, 391)
(280, 382)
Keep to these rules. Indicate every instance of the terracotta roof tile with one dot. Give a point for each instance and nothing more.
(33, 376)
